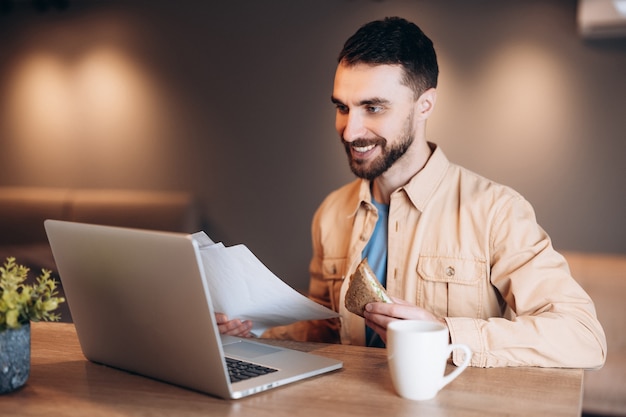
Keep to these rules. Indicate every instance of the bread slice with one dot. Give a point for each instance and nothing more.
(364, 288)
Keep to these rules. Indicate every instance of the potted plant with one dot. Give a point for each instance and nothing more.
(21, 303)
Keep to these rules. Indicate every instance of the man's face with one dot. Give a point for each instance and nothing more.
(375, 116)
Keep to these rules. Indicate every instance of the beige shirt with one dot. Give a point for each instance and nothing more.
(464, 248)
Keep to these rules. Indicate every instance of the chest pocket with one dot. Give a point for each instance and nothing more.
(452, 287)
(333, 270)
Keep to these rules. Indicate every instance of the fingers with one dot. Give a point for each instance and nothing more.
(398, 310)
(379, 318)
(233, 327)
(382, 331)
(379, 315)
(221, 318)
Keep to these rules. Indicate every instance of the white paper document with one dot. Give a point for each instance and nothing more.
(242, 287)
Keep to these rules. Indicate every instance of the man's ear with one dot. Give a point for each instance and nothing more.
(426, 103)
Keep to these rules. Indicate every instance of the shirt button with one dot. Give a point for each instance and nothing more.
(450, 271)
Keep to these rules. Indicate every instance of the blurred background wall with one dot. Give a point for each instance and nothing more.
(230, 100)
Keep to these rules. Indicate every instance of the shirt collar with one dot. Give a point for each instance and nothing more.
(421, 186)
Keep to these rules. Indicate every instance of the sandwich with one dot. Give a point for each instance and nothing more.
(364, 288)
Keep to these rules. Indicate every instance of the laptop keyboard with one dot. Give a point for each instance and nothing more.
(239, 370)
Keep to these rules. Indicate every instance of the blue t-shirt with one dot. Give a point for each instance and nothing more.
(376, 253)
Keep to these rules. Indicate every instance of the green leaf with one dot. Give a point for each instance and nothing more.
(20, 302)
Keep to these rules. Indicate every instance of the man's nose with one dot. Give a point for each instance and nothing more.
(354, 127)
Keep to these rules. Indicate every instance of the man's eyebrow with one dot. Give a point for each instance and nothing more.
(335, 100)
(374, 101)
(367, 102)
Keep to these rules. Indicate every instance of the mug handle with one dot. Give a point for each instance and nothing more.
(452, 375)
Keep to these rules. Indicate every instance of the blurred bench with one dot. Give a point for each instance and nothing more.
(24, 209)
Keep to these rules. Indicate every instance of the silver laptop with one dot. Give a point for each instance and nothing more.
(140, 302)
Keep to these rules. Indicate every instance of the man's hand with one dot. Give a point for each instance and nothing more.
(379, 315)
(233, 327)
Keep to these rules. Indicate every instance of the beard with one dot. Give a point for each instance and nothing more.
(389, 154)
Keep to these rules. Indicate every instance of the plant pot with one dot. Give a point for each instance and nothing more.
(14, 358)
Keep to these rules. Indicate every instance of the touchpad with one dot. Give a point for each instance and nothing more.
(248, 350)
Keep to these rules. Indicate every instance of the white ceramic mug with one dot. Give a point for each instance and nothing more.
(417, 353)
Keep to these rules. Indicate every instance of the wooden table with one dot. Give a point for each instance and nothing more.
(63, 383)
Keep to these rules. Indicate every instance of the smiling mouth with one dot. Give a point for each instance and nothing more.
(363, 149)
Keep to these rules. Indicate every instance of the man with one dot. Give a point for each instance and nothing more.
(450, 246)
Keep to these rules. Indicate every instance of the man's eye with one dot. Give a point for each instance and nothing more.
(342, 109)
(374, 109)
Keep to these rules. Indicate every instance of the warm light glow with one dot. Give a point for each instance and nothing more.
(101, 91)
(94, 111)
(40, 100)
(116, 103)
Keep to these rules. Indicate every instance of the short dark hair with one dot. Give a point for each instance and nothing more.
(395, 41)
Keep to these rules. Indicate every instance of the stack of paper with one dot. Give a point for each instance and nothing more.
(242, 287)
